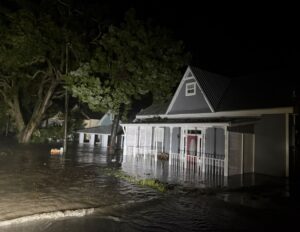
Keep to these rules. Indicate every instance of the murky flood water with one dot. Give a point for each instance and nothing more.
(78, 192)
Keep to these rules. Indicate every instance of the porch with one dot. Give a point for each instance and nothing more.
(190, 147)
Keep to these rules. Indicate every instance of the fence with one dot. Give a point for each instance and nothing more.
(204, 167)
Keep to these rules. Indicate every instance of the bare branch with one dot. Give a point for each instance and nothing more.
(35, 61)
(37, 73)
(59, 94)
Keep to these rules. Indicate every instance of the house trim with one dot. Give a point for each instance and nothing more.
(193, 125)
(237, 113)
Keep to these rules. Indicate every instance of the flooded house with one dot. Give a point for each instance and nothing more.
(230, 125)
(98, 131)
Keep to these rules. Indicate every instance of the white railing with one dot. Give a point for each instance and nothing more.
(209, 167)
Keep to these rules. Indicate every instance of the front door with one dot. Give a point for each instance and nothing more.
(192, 142)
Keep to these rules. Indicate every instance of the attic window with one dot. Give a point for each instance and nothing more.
(190, 89)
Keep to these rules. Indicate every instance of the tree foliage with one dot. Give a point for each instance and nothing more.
(129, 61)
(32, 57)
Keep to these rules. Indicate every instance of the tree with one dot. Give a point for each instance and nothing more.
(32, 57)
(129, 61)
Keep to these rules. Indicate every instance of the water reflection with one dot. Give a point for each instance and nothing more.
(176, 171)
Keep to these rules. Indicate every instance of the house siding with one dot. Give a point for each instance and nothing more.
(215, 141)
(175, 140)
(248, 153)
(167, 139)
(190, 104)
(235, 153)
(106, 120)
(270, 145)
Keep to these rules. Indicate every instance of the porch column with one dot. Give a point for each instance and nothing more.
(171, 139)
(185, 141)
(155, 134)
(92, 139)
(242, 155)
(124, 141)
(163, 140)
(203, 154)
(145, 139)
(81, 137)
(135, 140)
(104, 140)
(181, 141)
(226, 151)
(170, 149)
(145, 144)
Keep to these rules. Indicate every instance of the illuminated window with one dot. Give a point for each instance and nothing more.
(190, 89)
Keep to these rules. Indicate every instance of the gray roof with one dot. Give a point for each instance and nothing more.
(263, 90)
(98, 130)
(256, 91)
(213, 85)
(155, 109)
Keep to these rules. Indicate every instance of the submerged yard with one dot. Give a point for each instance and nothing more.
(88, 190)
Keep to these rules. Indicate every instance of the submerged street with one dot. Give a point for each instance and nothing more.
(80, 192)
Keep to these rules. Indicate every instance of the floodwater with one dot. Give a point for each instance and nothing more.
(78, 192)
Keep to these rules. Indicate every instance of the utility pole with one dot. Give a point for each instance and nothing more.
(66, 103)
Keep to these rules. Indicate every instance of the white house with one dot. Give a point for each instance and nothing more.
(238, 125)
(99, 132)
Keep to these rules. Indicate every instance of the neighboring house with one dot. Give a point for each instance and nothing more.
(99, 132)
(239, 125)
(56, 120)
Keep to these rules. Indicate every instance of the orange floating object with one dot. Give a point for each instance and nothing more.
(56, 151)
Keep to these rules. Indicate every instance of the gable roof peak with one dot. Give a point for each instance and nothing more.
(213, 85)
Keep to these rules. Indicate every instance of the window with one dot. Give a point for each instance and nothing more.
(190, 89)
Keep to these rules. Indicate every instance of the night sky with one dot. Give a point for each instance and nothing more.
(232, 40)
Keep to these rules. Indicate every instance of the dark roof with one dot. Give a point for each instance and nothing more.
(99, 130)
(155, 109)
(213, 85)
(256, 91)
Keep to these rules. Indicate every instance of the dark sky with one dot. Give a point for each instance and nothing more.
(233, 40)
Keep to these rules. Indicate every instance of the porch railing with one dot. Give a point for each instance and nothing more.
(200, 162)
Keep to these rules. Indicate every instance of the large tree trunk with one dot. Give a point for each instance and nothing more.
(114, 131)
(38, 113)
(15, 113)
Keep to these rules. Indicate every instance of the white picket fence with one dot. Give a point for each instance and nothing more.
(204, 168)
